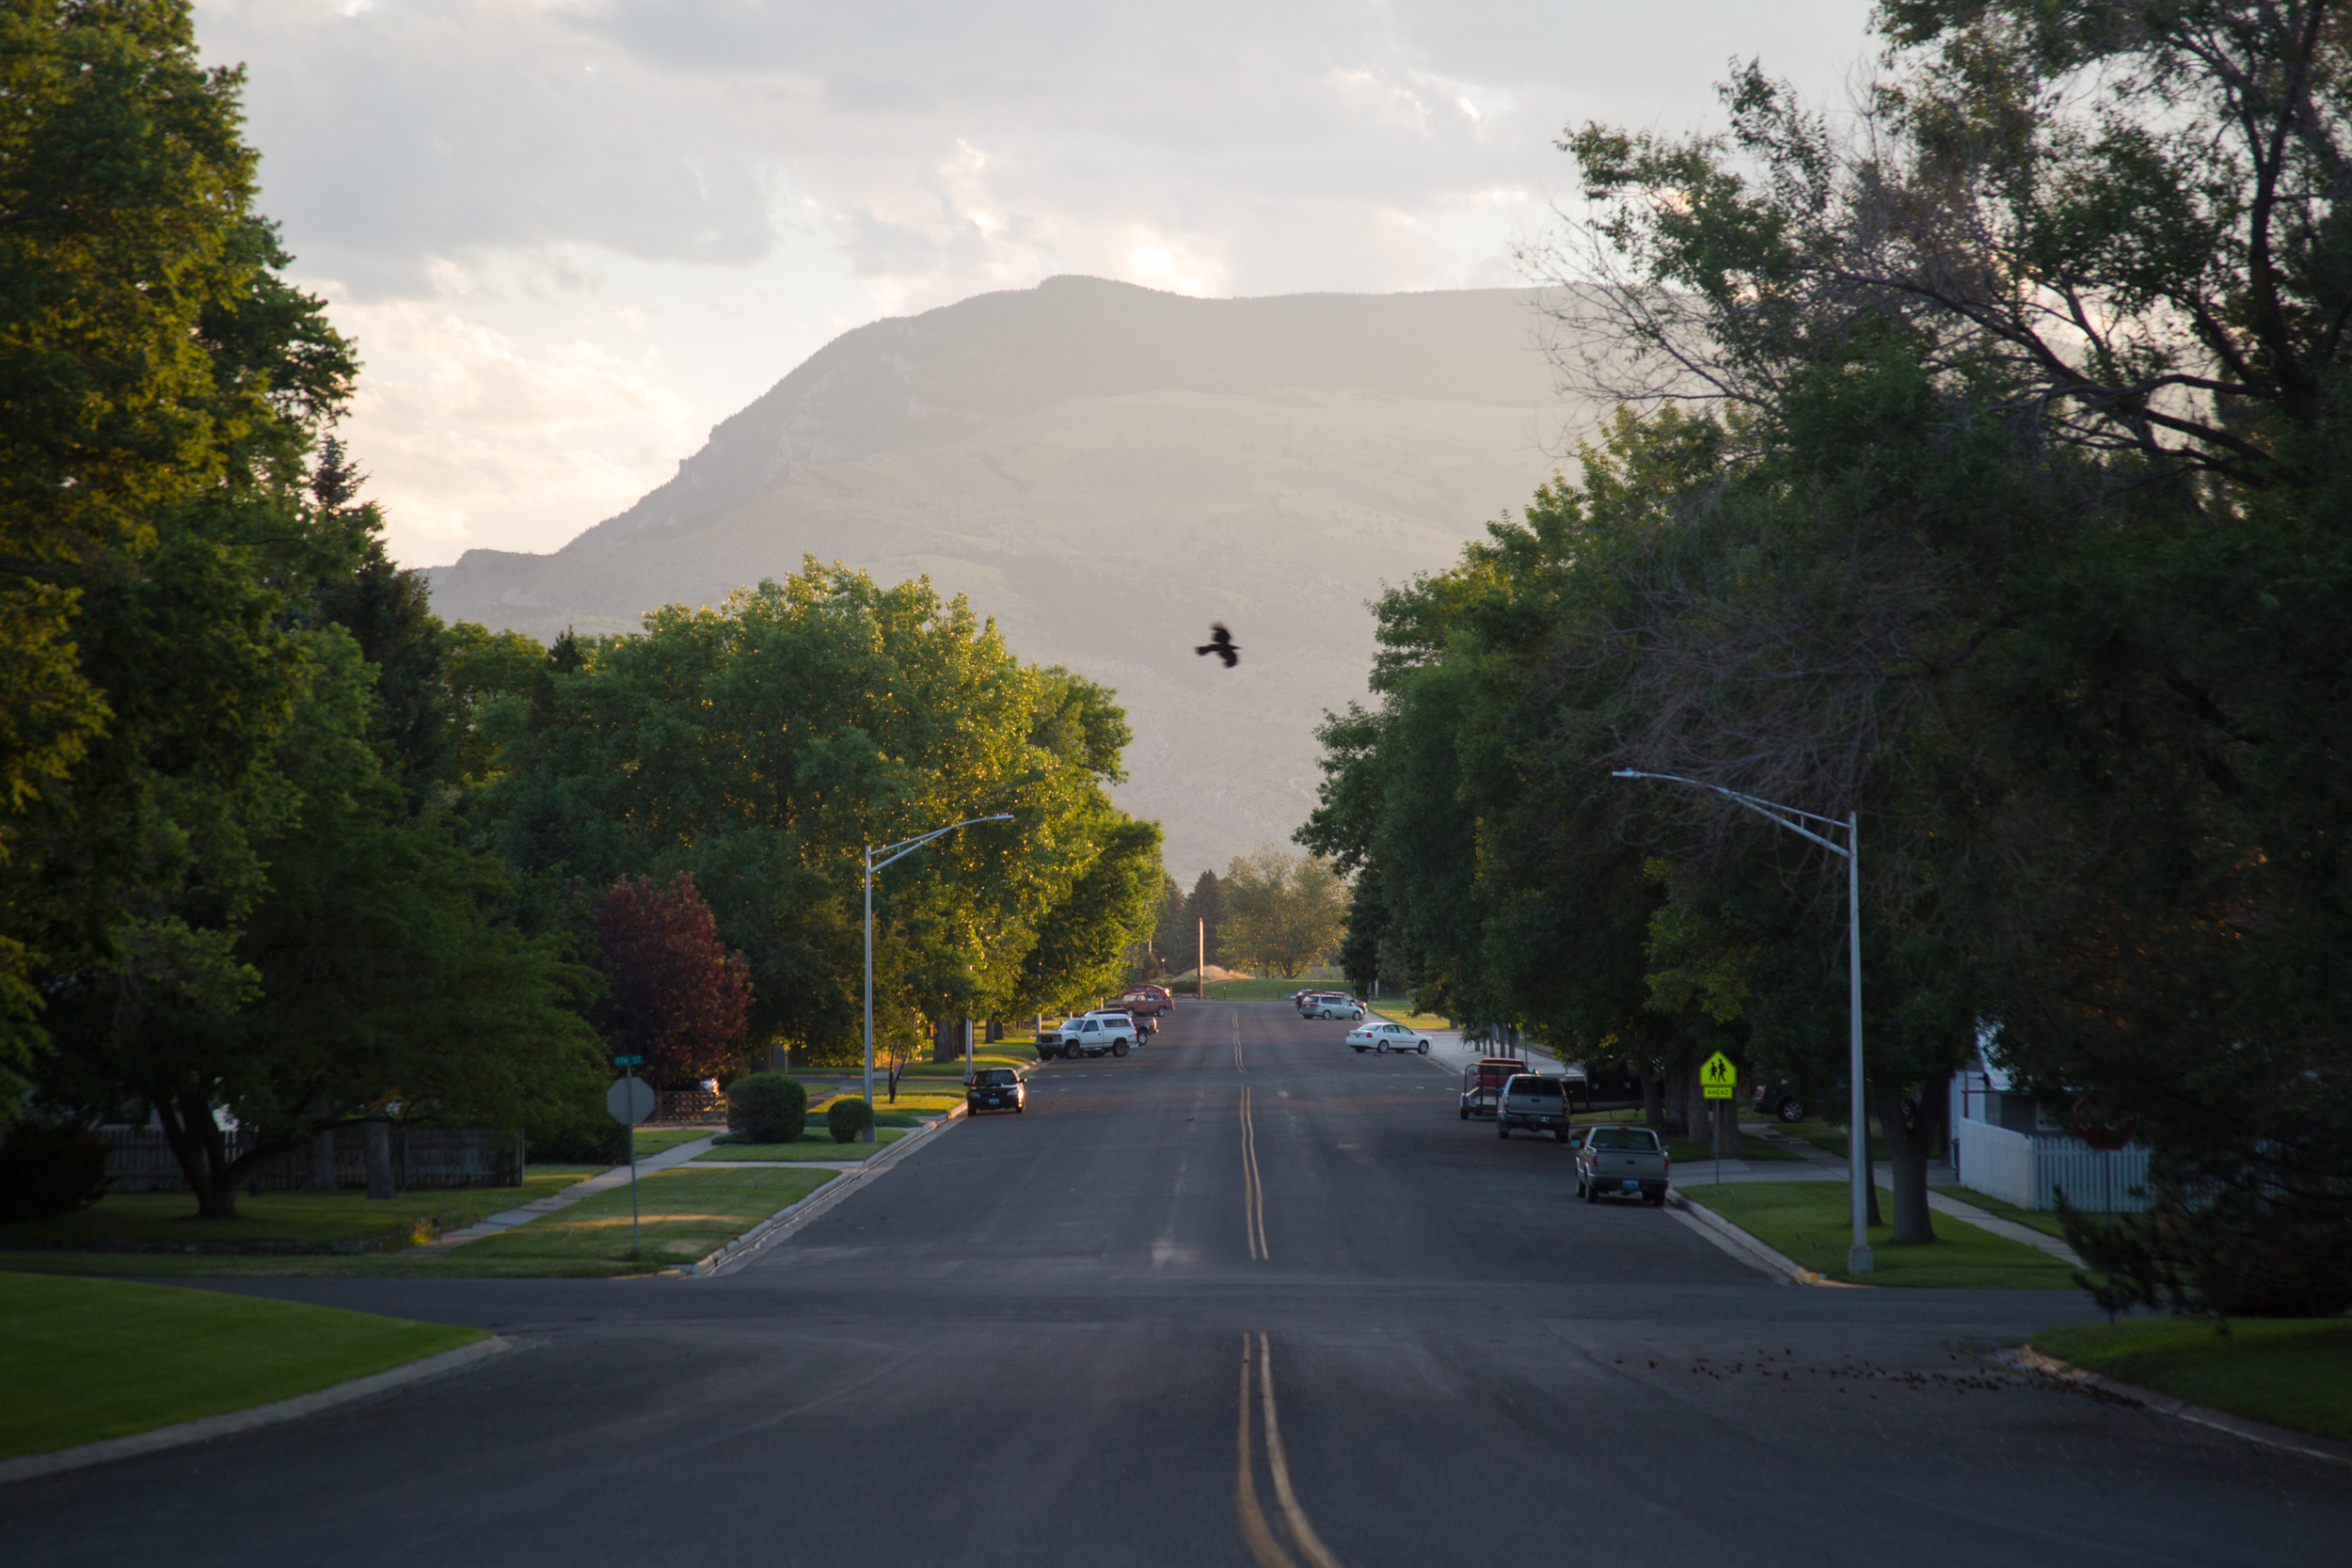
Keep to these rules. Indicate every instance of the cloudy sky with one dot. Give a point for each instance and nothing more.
(570, 237)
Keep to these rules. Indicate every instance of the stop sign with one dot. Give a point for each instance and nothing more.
(2101, 1128)
(630, 1101)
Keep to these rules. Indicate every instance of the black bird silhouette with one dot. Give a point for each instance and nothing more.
(1221, 643)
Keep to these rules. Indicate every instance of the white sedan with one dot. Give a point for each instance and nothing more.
(1385, 1036)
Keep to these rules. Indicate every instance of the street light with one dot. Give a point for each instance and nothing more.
(1858, 1127)
(896, 852)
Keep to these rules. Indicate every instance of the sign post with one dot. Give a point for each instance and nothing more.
(628, 1102)
(1718, 1080)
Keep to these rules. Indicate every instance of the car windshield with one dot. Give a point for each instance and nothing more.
(1000, 1075)
(1540, 1088)
(1625, 1138)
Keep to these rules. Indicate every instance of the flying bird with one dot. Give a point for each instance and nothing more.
(1221, 643)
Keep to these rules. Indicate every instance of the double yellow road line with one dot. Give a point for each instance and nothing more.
(1252, 1188)
(1254, 1527)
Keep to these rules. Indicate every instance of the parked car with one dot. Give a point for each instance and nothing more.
(1786, 1101)
(1620, 1162)
(1384, 1037)
(1531, 1099)
(996, 1088)
(1334, 1005)
(1108, 1031)
(1482, 1081)
(1144, 1000)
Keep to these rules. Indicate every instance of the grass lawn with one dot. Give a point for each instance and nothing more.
(2290, 1372)
(660, 1140)
(821, 1147)
(1402, 1012)
(1807, 1220)
(1830, 1139)
(90, 1359)
(299, 1219)
(684, 1212)
(1683, 1152)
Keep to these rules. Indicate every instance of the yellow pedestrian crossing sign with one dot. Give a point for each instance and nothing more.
(1717, 1077)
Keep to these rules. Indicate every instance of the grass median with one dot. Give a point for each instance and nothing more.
(281, 1221)
(2289, 1371)
(1808, 1222)
(819, 1147)
(683, 1213)
(90, 1359)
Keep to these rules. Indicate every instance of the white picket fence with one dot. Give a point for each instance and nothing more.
(2029, 1170)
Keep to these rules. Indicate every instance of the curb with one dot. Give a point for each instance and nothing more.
(2032, 1362)
(1767, 1259)
(205, 1429)
(737, 1252)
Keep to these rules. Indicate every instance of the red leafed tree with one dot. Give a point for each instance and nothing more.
(678, 997)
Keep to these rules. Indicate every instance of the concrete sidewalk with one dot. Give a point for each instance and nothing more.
(507, 1219)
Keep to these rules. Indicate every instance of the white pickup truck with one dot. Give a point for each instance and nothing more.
(1107, 1031)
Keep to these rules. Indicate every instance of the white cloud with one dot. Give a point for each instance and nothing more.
(572, 234)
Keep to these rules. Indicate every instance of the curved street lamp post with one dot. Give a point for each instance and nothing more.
(892, 853)
(1858, 1127)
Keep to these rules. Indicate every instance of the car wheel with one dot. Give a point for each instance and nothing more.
(1465, 1112)
(1503, 1128)
(1591, 1193)
(1382, 1049)
(1792, 1110)
(1119, 1048)
(1657, 1200)
(1560, 1135)
(1425, 1048)
(1021, 1108)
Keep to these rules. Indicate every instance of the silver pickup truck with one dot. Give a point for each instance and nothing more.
(1620, 1162)
(1534, 1101)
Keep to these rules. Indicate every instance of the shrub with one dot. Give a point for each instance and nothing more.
(847, 1117)
(48, 1171)
(768, 1108)
(576, 1139)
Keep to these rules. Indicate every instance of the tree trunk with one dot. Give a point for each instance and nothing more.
(323, 1162)
(321, 1150)
(1725, 1116)
(947, 1040)
(1653, 1101)
(1909, 1143)
(380, 1185)
(195, 1140)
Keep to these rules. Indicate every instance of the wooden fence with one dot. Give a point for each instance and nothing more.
(425, 1159)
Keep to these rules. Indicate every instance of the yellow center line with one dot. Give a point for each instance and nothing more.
(1301, 1531)
(1254, 1530)
(1252, 1187)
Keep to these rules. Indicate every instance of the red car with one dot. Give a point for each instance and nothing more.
(1146, 1001)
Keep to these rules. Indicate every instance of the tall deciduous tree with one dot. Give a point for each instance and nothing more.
(675, 995)
(1286, 912)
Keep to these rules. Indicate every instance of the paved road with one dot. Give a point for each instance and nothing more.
(1031, 1343)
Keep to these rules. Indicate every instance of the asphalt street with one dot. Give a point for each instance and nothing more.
(1242, 1297)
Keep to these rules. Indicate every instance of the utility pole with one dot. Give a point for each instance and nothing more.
(1201, 964)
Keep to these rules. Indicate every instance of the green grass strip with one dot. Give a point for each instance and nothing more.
(90, 1359)
(684, 1212)
(2289, 1371)
(1808, 1222)
(819, 1147)
(301, 1219)
(660, 1140)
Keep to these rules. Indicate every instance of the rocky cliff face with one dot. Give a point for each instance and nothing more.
(1105, 470)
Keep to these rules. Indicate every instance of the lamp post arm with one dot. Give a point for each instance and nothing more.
(1770, 809)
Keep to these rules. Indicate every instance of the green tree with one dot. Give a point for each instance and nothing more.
(759, 745)
(1284, 913)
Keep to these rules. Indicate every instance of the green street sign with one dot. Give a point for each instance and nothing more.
(1717, 1077)
(639, 1061)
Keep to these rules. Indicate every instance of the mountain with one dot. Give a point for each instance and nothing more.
(1106, 469)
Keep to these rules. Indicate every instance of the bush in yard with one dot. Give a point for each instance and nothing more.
(847, 1117)
(768, 1108)
(48, 1171)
